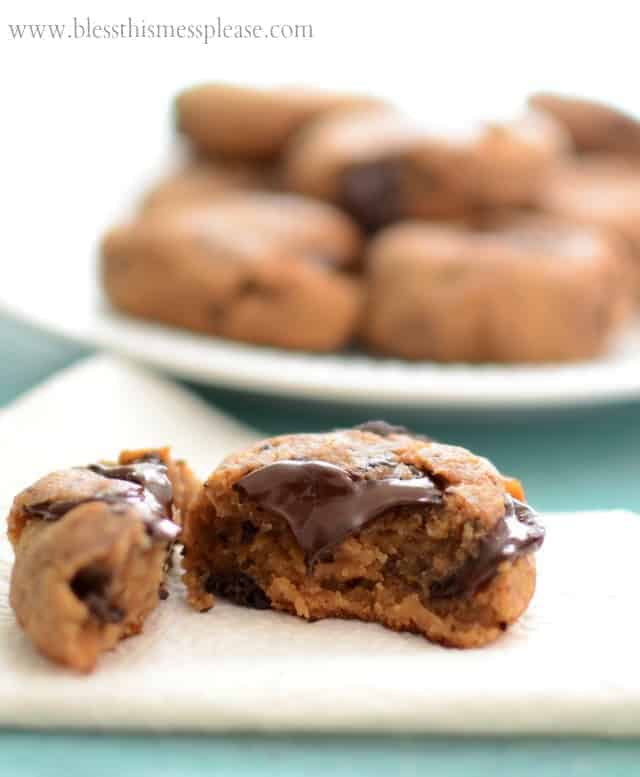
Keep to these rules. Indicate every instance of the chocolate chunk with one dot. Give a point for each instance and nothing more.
(373, 193)
(90, 586)
(516, 534)
(149, 472)
(323, 503)
(238, 588)
(53, 510)
(381, 428)
(249, 531)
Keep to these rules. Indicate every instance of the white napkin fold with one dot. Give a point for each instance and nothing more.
(569, 666)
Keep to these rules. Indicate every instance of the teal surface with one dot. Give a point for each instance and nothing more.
(570, 460)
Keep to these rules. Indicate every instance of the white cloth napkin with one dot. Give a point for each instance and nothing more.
(570, 665)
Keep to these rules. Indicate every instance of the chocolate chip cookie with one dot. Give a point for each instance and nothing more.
(382, 167)
(206, 181)
(369, 523)
(311, 227)
(526, 289)
(594, 126)
(599, 189)
(252, 123)
(91, 551)
(193, 269)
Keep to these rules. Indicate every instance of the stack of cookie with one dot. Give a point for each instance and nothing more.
(310, 220)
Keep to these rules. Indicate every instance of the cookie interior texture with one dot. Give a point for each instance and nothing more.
(292, 524)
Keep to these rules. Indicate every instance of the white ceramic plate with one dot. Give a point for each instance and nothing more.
(70, 304)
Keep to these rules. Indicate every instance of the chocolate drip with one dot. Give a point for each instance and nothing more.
(323, 504)
(151, 494)
(515, 535)
(149, 472)
(155, 494)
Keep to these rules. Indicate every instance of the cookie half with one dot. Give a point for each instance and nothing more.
(369, 523)
(92, 548)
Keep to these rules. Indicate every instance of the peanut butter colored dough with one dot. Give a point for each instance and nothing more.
(91, 552)
(284, 525)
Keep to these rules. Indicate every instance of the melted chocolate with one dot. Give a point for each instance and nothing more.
(91, 585)
(53, 510)
(238, 588)
(515, 535)
(323, 504)
(150, 473)
(151, 493)
(373, 193)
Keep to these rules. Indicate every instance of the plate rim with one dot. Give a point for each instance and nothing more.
(112, 331)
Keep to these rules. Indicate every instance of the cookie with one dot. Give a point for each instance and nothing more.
(527, 289)
(381, 167)
(192, 269)
(372, 524)
(91, 551)
(204, 182)
(594, 126)
(311, 227)
(249, 122)
(602, 190)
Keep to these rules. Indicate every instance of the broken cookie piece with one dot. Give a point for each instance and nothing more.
(370, 523)
(92, 548)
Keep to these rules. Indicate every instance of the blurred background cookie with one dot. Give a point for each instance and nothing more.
(599, 189)
(206, 180)
(217, 277)
(526, 291)
(250, 122)
(382, 167)
(594, 126)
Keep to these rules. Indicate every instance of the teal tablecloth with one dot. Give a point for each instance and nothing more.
(570, 460)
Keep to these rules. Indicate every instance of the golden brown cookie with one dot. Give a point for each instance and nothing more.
(382, 167)
(91, 551)
(206, 181)
(249, 122)
(370, 523)
(601, 189)
(194, 270)
(527, 289)
(311, 227)
(594, 126)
